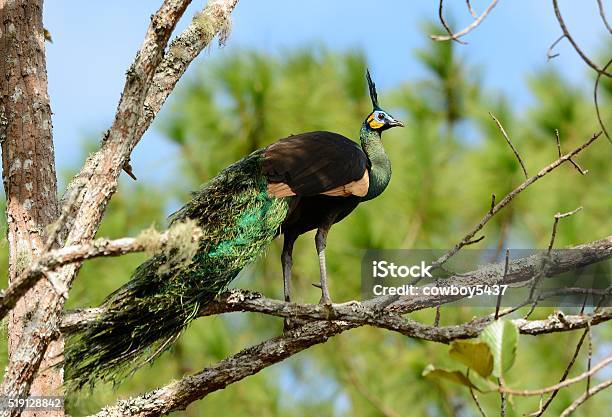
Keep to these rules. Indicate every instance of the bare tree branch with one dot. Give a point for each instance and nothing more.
(571, 40)
(366, 313)
(100, 172)
(386, 311)
(456, 36)
(179, 394)
(324, 322)
(510, 196)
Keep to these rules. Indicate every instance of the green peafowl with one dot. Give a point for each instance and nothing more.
(301, 183)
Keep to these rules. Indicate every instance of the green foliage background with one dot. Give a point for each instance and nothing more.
(447, 161)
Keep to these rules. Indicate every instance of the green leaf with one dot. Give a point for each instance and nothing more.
(457, 377)
(502, 338)
(476, 354)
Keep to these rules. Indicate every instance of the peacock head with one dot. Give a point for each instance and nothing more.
(379, 120)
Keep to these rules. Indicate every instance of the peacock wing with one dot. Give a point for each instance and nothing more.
(316, 163)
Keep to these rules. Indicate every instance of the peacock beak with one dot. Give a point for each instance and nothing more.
(395, 123)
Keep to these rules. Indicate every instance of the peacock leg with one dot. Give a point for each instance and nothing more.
(321, 242)
(287, 262)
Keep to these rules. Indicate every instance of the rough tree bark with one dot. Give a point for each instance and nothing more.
(28, 164)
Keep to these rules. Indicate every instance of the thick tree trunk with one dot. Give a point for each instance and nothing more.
(28, 164)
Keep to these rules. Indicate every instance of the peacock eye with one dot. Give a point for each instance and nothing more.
(380, 116)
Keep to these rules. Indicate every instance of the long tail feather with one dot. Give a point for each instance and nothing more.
(144, 317)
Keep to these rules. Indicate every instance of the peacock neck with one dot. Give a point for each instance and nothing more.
(380, 169)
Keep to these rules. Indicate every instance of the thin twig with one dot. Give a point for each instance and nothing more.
(590, 356)
(502, 398)
(545, 260)
(595, 91)
(474, 24)
(558, 217)
(566, 383)
(574, 163)
(584, 57)
(473, 394)
(472, 12)
(549, 53)
(566, 372)
(584, 303)
(473, 241)
(579, 168)
(558, 142)
(445, 24)
(602, 13)
(538, 411)
(535, 302)
(503, 131)
(580, 400)
(499, 297)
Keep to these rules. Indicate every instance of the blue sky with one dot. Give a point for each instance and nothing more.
(94, 42)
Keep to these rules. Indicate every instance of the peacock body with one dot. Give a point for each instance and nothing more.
(300, 183)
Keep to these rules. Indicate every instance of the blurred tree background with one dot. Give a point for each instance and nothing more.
(447, 162)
